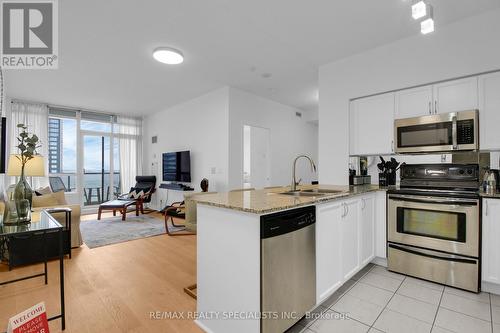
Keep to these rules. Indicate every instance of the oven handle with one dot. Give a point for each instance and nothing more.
(437, 200)
(433, 256)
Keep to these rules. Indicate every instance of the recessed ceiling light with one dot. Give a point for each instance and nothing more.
(419, 10)
(427, 26)
(168, 55)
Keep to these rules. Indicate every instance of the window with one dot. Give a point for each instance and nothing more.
(83, 154)
(62, 149)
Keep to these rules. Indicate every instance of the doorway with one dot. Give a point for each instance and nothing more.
(256, 157)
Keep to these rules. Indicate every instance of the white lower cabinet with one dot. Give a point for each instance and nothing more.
(491, 241)
(350, 237)
(367, 229)
(345, 240)
(381, 225)
(328, 255)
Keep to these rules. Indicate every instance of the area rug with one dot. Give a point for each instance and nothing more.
(112, 230)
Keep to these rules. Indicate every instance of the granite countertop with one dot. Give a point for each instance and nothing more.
(271, 200)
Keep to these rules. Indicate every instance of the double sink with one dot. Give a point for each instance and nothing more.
(312, 192)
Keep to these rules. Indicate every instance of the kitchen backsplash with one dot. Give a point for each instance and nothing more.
(413, 159)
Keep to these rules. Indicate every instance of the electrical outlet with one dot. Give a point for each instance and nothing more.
(213, 170)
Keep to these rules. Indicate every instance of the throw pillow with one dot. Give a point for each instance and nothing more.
(44, 190)
(136, 194)
(46, 200)
(60, 196)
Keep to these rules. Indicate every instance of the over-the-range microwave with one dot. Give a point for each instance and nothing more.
(454, 131)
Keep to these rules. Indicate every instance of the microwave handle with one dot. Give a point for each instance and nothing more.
(454, 132)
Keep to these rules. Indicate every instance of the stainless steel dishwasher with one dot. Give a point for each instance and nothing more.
(288, 267)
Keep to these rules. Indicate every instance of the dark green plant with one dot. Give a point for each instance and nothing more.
(28, 143)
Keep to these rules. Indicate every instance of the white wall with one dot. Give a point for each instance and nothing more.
(289, 137)
(466, 47)
(199, 125)
(211, 127)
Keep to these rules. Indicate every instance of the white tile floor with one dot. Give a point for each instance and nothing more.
(376, 300)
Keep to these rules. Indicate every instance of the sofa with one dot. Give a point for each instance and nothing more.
(58, 199)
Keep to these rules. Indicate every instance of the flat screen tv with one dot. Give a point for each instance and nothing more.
(177, 166)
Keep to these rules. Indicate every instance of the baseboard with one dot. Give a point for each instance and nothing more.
(490, 287)
(380, 261)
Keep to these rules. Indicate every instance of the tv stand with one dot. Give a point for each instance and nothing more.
(176, 187)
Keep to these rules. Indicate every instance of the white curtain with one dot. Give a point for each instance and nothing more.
(130, 140)
(36, 117)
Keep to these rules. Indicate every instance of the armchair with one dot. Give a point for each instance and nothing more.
(142, 192)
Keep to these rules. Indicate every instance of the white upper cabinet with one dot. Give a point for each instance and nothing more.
(456, 95)
(414, 102)
(491, 245)
(371, 125)
(489, 111)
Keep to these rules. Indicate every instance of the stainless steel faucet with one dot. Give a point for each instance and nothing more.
(294, 179)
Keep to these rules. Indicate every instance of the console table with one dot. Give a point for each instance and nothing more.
(45, 225)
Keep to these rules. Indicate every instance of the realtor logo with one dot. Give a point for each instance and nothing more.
(29, 34)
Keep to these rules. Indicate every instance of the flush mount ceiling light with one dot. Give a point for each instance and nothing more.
(427, 26)
(419, 10)
(168, 55)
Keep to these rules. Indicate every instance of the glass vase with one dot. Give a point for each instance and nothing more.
(22, 197)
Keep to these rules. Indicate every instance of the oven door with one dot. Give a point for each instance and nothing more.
(438, 223)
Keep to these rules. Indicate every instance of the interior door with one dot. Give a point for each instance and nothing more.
(96, 169)
(256, 164)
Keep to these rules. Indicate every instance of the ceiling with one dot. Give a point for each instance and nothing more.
(105, 48)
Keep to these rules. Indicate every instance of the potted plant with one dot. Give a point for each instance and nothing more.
(28, 143)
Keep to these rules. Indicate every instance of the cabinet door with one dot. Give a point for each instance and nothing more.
(457, 95)
(328, 255)
(372, 125)
(350, 239)
(489, 111)
(414, 102)
(367, 229)
(491, 244)
(381, 224)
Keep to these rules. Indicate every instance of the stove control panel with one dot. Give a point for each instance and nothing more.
(440, 172)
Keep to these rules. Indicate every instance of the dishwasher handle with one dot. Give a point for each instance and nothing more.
(285, 222)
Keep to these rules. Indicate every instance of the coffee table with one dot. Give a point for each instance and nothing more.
(118, 205)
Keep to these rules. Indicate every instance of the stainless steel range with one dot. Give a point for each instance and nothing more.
(433, 224)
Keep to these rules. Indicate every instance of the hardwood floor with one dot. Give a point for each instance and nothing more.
(113, 288)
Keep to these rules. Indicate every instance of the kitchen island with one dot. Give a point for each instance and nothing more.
(349, 233)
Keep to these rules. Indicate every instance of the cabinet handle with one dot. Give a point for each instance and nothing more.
(486, 208)
(392, 145)
(347, 210)
(435, 107)
(430, 107)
